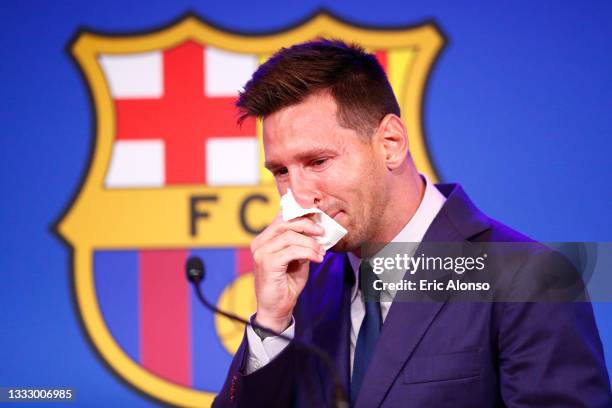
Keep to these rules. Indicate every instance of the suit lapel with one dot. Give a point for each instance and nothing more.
(407, 322)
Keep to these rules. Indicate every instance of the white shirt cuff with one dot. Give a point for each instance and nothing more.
(261, 352)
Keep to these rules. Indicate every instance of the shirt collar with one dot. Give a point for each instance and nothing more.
(417, 226)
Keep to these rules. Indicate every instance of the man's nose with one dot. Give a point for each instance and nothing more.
(304, 190)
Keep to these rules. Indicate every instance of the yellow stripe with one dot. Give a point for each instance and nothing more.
(403, 77)
(399, 63)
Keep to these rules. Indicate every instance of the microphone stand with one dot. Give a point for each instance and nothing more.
(195, 274)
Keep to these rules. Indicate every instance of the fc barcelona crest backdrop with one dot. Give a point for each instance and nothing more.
(172, 175)
(121, 157)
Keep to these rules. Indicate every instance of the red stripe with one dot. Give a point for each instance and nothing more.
(165, 315)
(381, 56)
(244, 261)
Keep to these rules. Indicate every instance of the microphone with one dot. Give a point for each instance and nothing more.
(196, 272)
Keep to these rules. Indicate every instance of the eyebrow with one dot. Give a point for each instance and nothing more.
(309, 154)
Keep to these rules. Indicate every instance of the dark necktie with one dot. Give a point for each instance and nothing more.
(369, 330)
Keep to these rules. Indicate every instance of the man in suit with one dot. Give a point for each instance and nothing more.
(333, 135)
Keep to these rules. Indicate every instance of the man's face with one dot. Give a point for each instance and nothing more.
(327, 166)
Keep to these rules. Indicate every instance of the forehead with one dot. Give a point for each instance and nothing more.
(311, 124)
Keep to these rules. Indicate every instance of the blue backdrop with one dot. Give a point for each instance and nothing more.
(517, 109)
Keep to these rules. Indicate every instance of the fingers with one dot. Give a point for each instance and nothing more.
(298, 253)
(289, 238)
(302, 225)
(272, 255)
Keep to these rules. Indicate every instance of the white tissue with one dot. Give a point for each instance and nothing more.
(333, 231)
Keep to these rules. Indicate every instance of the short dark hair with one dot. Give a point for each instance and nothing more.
(353, 77)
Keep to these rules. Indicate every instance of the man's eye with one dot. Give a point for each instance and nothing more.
(279, 172)
(318, 162)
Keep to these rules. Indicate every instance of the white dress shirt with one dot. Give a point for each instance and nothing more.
(261, 352)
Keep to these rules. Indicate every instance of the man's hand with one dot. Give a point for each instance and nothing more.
(282, 253)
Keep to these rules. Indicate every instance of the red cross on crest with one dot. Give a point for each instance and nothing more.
(183, 119)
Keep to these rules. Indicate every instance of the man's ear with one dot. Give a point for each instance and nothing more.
(393, 139)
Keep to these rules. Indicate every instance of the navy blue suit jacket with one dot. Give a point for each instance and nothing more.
(437, 354)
